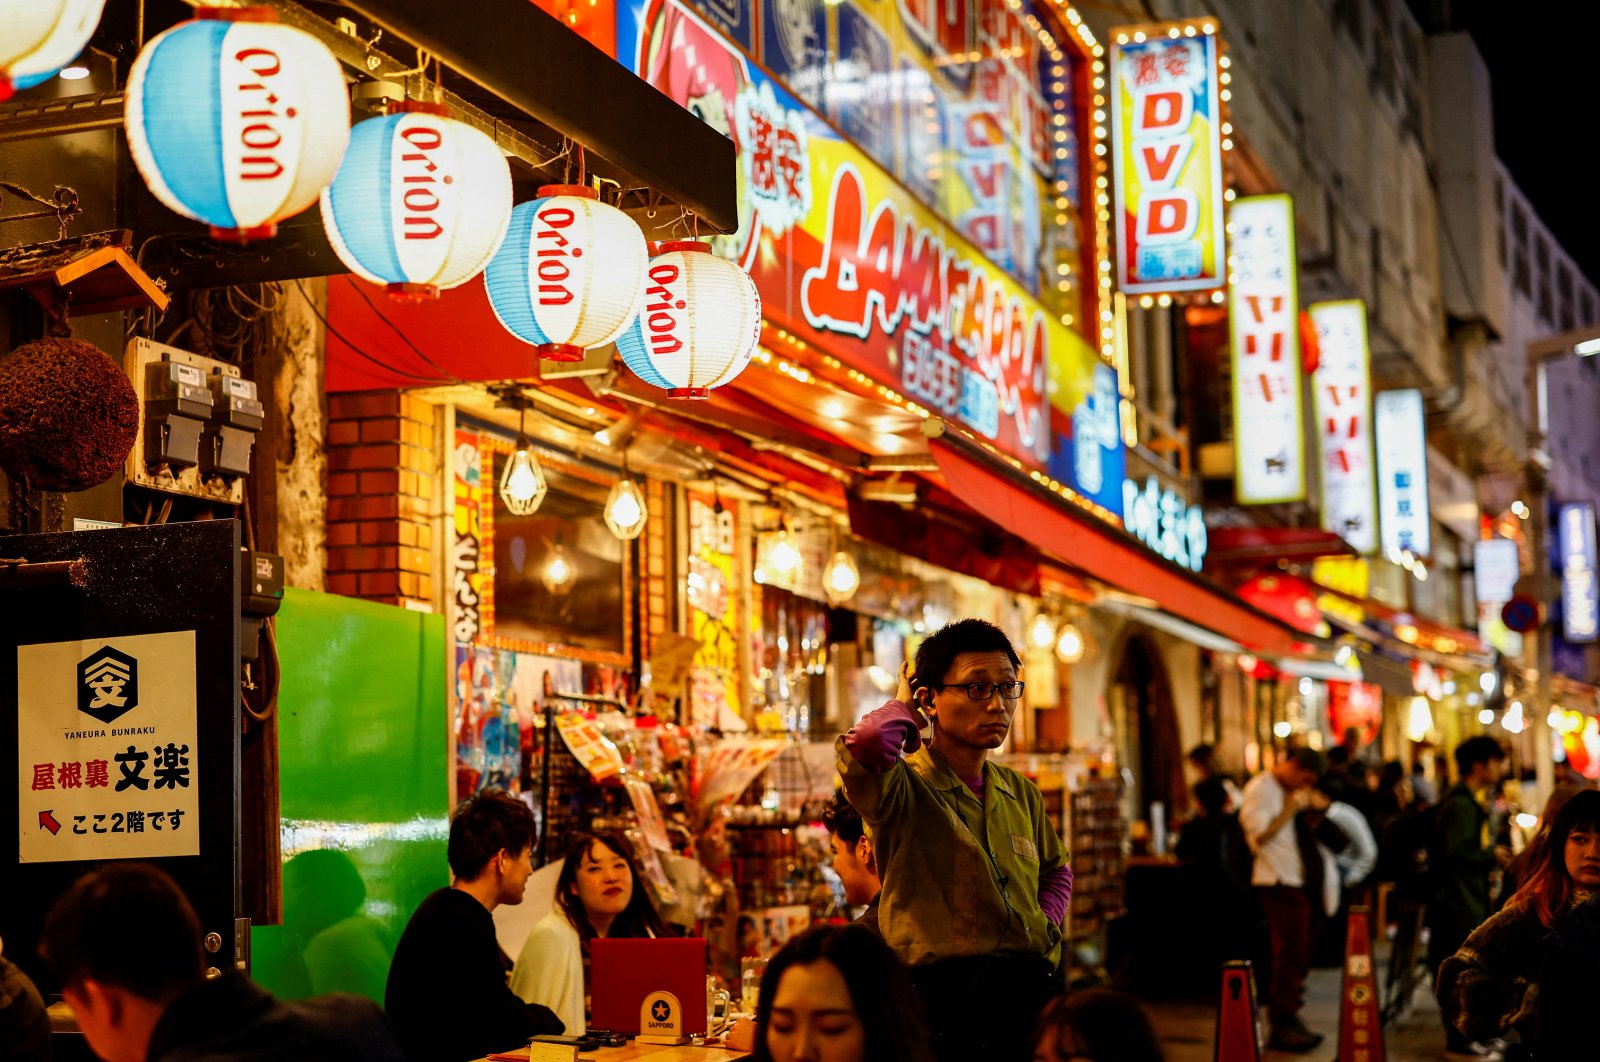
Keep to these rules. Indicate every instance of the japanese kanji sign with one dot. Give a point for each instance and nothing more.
(108, 749)
(1269, 457)
(1404, 517)
(1342, 387)
(1166, 136)
(1580, 598)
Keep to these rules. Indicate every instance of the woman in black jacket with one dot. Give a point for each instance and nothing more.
(1489, 987)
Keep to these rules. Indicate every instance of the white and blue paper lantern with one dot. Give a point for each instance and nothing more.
(237, 121)
(699, 325)
(39, 37)
(420, 203)
(570, 274)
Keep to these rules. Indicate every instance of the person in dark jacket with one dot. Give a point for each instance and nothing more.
(1490, 986)
(24, 1025)
(853, 860)
(1462, 858)
(1566, 984)
(448, 995)
(125, 946)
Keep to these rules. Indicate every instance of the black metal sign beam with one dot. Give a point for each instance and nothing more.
(532, 61)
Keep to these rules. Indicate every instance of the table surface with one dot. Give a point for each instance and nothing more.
(636, 1052)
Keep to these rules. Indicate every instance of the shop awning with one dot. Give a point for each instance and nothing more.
(1009, 499)
(1256, 545)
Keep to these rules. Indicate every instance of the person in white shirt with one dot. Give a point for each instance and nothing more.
(598, 894)
(1272, 799)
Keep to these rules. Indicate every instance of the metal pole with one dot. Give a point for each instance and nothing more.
(1537, 474)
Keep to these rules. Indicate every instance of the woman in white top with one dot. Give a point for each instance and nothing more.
(597, 895)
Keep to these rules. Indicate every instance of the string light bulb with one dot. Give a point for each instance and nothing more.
(626, 511)
(522, 484)
(842, 578)
(783, 559)
(559, 574)
(1043, 632)
(1069, 645)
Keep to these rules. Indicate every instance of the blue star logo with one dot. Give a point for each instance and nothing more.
(661, 1010)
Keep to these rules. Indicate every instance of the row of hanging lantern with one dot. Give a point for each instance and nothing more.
(239, 122)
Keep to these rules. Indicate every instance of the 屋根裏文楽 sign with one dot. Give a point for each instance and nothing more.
(108, 749)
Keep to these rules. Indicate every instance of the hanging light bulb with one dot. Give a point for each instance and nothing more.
(1420, 721)
(783, 559)
(522, 484)
(1069, 645)
(558, 574)
(1043, 632)
(842, 579)
(626, 511)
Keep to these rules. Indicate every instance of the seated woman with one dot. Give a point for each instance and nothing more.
(1489, 986)
(838, 994)
(597, 895)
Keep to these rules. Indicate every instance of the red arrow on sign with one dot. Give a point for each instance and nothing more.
(48, 821)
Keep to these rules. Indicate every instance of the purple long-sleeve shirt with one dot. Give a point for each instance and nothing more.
(885, 736)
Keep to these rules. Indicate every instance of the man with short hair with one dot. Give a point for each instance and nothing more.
(1461, 859)
(853, 860)
(447, 992)
(125, 946)
(1288, 884)
(975, 881)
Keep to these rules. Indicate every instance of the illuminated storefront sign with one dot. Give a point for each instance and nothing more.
(1167, 135)
(1162, 520)
(969, 307)
(1580, 605)
(1263, 310)
(1342, 387)
(1496, 567)
(1404, 519)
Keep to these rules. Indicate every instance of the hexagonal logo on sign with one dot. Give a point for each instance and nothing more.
(108, 684)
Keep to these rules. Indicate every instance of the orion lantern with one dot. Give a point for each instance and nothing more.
(570, 274)
(41, 37)
(699, 324)
(236, 121)
(420, 203)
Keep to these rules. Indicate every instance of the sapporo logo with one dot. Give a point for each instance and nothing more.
(108, 684)
(661, 1011)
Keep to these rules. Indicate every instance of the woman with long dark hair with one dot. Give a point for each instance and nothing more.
(598, 894)
(839, 994)
(1485, 989)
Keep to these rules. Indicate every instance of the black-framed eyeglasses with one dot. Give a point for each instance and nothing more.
(982, 691)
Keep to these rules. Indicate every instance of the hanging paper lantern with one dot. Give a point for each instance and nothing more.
(39, 37)
(420, 203)
(236, 121)
(699, 324)
(570, 274)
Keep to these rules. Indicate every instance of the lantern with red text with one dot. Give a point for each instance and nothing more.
(699, 324)
(236, 121)
(420, 203)
(570, 274)
(39, 37)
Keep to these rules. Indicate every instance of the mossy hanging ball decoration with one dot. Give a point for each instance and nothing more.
(68, 415)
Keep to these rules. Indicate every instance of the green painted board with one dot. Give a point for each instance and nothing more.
(363, 787)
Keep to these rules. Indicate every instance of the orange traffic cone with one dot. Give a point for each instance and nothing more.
(1237, 1039)
(1360, 1028)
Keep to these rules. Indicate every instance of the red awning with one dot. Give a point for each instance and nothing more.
(1255, 545)
(1084, 542)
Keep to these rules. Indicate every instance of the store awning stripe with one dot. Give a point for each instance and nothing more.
(1008, 499)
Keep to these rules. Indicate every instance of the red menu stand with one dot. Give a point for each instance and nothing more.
(1237, 1039)
(1360, 1027)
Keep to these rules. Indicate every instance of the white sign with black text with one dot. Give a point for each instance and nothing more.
(1403, 514)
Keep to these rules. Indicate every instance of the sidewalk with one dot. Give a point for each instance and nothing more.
(1188, 1027)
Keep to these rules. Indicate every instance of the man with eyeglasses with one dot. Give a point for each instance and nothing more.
(975, 881)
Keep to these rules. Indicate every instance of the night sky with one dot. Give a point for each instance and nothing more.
(1540, 55)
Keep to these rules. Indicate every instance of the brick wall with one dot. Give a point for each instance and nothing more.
(383, 465)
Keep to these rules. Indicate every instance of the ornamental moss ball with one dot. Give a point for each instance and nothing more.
(68, 415)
